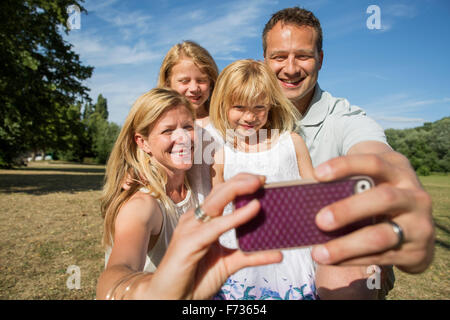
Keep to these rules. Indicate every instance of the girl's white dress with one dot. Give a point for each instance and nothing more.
(294, 277)
(207, 142)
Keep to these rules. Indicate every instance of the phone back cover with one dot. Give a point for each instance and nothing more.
(287, 216)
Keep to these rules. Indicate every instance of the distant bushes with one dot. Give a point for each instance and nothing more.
(426, 147)
(93, 138)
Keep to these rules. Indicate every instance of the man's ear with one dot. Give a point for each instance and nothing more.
(142, 143)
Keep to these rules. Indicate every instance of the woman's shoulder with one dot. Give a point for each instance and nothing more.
(141, 208)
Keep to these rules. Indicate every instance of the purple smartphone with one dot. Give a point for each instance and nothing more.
(287, 215)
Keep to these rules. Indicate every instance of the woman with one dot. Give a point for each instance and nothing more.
(154, 149)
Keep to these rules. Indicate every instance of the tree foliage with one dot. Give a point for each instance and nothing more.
(426, 147)
(40, 79)
(94, 136)
(102, 134)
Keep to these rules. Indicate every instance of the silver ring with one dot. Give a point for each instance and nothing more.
(399, 232)
(201, 215)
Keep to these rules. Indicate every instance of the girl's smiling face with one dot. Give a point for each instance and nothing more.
(248, 120)
(186, 78)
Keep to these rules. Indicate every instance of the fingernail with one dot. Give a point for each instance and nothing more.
(321, 254)
(323, 171)
(262, 179)
(326, 218)
(252, 203)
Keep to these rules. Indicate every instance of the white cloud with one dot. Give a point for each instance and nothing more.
(373, 75)
(128, 23)
(411, 104)
(400, 10)
(100, 53)
(344, 24)
(392, 110)
(222, 31)
(400, 119)
(120, 92)
(386, 26)
(392, 13)
(313, 5)
(96, 5)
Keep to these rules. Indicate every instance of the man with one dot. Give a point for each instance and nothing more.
(342, 142)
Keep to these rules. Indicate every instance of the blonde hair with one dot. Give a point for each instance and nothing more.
(199, 55)
(128, 161)
(246, 82)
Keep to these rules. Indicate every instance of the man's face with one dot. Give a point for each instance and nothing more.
(292, 54)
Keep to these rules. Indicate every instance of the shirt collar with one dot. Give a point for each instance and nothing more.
(317, 110)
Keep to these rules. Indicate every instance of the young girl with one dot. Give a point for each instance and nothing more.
(254, 117)
(189, 69)
(155, 150)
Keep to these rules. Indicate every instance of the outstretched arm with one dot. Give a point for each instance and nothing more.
(138, 220)
(398, 196)
(195, 265)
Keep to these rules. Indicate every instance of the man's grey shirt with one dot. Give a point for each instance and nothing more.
(331, 126)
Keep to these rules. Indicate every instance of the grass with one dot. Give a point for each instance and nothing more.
(50, 220)
(434, 283)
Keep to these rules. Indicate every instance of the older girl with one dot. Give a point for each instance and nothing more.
(189, 69)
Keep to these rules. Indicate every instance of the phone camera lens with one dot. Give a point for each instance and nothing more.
(362, 185)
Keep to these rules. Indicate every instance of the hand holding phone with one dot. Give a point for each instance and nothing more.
(287, 215)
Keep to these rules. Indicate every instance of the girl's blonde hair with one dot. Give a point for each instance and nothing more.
(199, 55)
(128, 162)
(245, 83)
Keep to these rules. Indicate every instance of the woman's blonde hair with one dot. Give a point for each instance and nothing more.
(246, 82)
(199, 55)
(128, 162)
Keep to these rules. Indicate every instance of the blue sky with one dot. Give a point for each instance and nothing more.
(400, 74)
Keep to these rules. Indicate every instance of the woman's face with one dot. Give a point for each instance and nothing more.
(186, 78)
(171, 140)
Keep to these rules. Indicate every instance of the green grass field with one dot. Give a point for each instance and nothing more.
(51, 220)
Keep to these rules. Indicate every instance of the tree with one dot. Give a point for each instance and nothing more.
(40, 79)
(426, 147)
(102, 134)
(75, 137)
(106, 135)
(101, 107)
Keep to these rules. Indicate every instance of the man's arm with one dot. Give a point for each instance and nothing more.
(369, 147)
(398, 196)
(344, 283)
